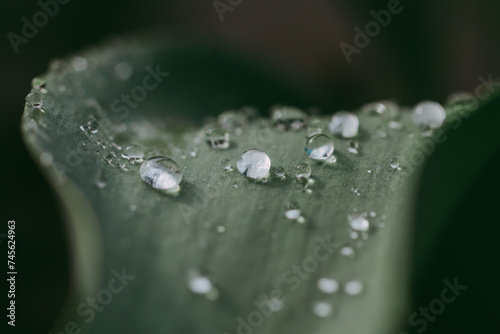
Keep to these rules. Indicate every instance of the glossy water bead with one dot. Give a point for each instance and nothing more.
(34, 100)
(217, 138)
(428, 114)
(302, 171)
(344, 124)
(161, 173)
(133, 153)
(319, 147)
(287, 118)
(254, 164)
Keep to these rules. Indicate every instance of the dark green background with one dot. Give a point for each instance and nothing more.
(428, 51)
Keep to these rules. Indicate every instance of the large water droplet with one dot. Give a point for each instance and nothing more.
(217, 138)
(353, 287)
(345, 124)
(161, 173)
(328, 285)
(133, 153)
(302, 171)
(428, 114)
(285, 118)
(359, 223)
(319, 147)
(34, 100)
(254, 164)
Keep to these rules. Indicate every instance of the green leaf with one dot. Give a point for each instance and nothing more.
(160, 238)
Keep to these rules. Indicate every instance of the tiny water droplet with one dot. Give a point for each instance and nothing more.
(394, 163)
(221, 229)
(39, 84)
(292, 214)
(302, 170)
(280, 172)
(226, 164)
(322, 309)
(254, 164)
(46, 159)
(198, 283)
(34, 100)
(133, 153)
(286, 118)
(315, 127)
(328, 285)
(353, 235)
(428, 114)
(352, 146)
(353, 287)
(133, 207)
(331, 160)
(122, 71)
(395, 125)
(217, 138)
(347, 251)
(301, 220)
(369, 171)
(161, 173)
(373, 214)
(79, 64)
(344, 124)
(319, 147)
(359, 223)
(100, 181)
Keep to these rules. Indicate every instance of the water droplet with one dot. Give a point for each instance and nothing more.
(395, 125)
(280, 172)
(345, 124)
(292, 214)
(385, 108)
(302, 171)
(331, 160)
(301, 220)
(319, 147)
(231, 120)
(217, 138)
(394, 163)
(254, 164)
(79, 64)
(286, 118)
(352, 146)
(226, 164)
(133, 153)
(428, 114)
(122, 71)
(347, 251)
(199, 284)
(46, 159)
(161, 173)
(315, 127)
(373, 214)
(353, 287)
(221, 229)
(133, 207)
(328, 285)
(34, 100)
(322, 309)
(359, 223)
(100, 181)
(193, 153)
(39, 84)
(369, 171)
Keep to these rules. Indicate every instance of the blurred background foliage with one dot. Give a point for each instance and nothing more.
(430, 49)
